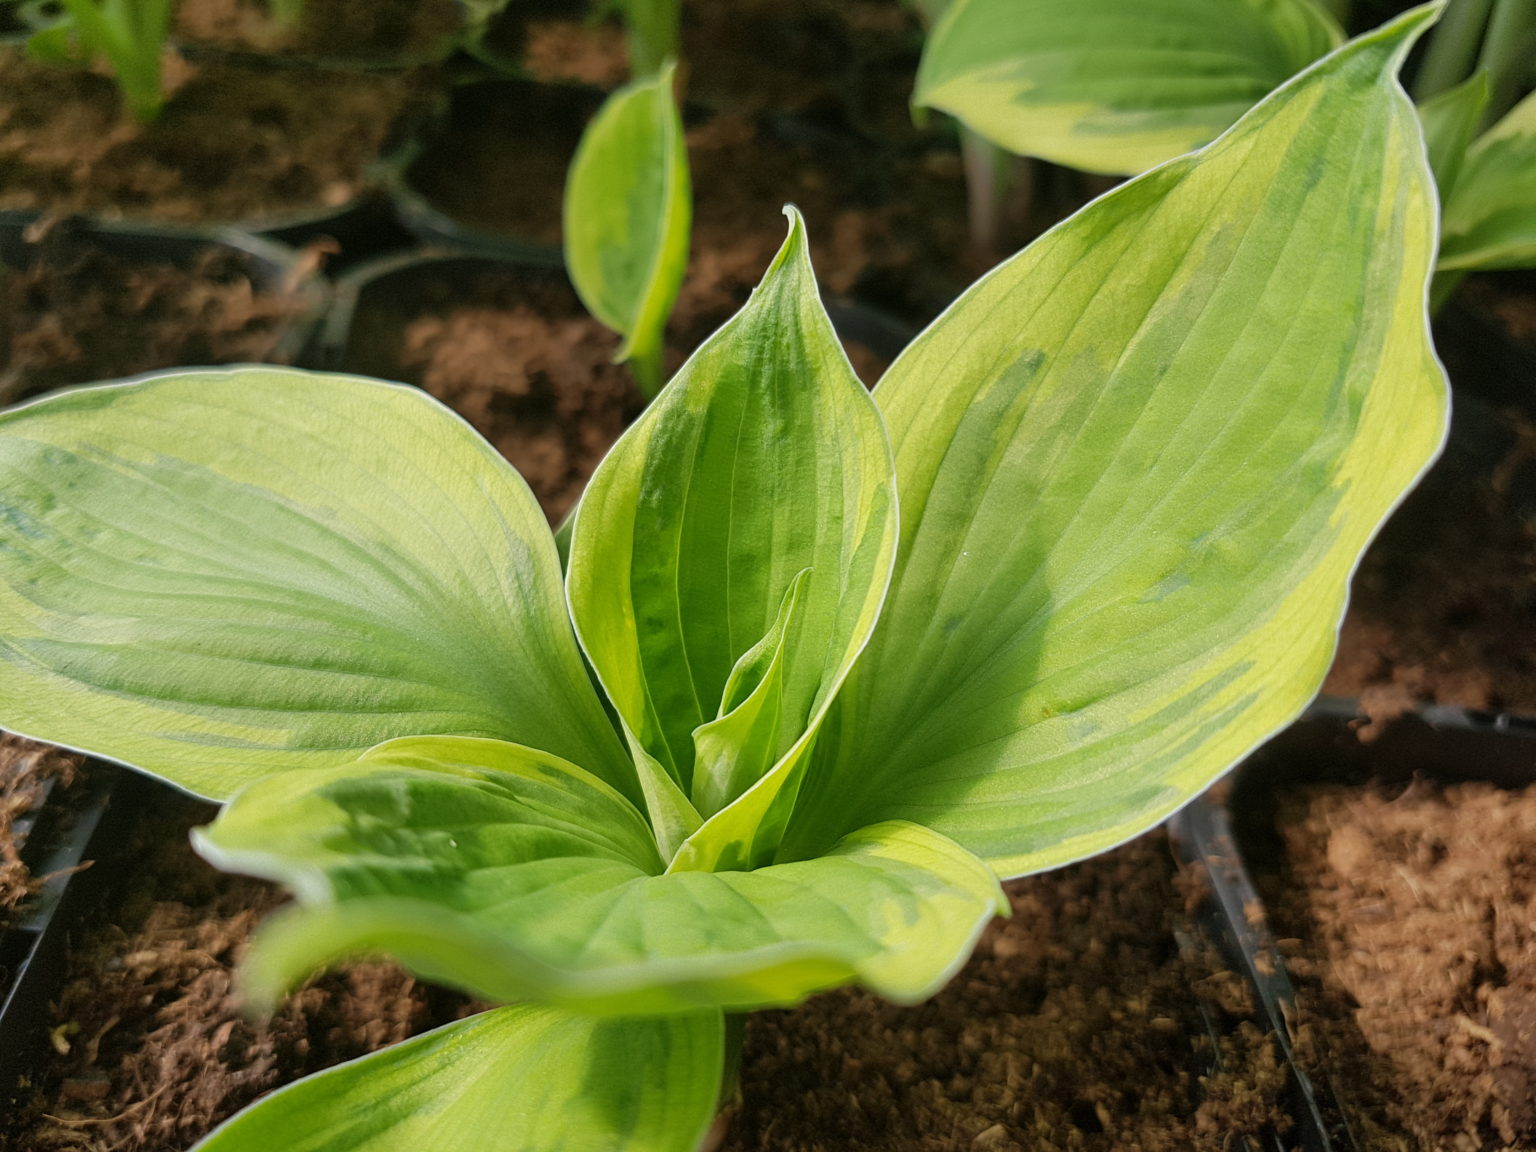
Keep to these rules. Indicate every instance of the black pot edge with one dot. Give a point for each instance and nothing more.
(882, 333)
(39, 941)
(274, 265)
(1233, 916)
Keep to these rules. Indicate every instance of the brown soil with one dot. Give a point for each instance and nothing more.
(887, 229)
(79, 315)
(26, 770)
(1411, 917)
(518, 356)
(152, 1048)
(234, 142)
(1071, 1029)
(1443, 607)
(824, 58)
(384, 30)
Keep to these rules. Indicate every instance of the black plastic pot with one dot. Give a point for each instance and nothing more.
(540, 124)
(385, 278)
(1443, 745)
(73, 847)
(270, 266)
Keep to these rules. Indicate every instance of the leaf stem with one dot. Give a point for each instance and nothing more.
(989, 177)
(1508, 51)
(646, 365)
(1452, 49)
(654, 36)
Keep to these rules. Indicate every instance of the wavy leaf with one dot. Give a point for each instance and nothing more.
(1490, 220)
(217, 575)
(1110, 86)
(517, 1079)
(1138, 463)
(513, 876)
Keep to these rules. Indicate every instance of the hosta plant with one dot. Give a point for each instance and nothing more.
(627, 214)
(822, 666)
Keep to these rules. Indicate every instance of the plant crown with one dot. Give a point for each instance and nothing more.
(852, 657)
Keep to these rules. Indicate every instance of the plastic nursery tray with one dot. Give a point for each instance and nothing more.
(385, 277)
(271, 265)
(1446, 745)
(72, 847)
(484, 120)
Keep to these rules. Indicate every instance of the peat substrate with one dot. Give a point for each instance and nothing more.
(365, 30)
(29, 774)
(888, 229)
(514, 351)
(235, 142)
(1443, 607)
(1407, 915)
(79, 314)
(1078, 1025)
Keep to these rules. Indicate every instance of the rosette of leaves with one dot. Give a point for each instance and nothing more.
(852, 656)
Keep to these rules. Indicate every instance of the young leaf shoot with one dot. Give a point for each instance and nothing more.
(628, 209)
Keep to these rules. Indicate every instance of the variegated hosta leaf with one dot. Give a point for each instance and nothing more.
(1137, 465)
(627, 214)
(216, 575)
(1490, 219)
(516, 1079)
(515, 876)
(1113, 86)
(764, 457)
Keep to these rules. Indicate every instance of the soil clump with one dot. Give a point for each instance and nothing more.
(1408, 917)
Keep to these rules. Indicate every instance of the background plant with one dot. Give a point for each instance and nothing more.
(129, 35)
(1086, 545)
(628, 208)
(1116, 89)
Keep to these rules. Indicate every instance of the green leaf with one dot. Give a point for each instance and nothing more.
(1111, 86)
(738, 748)
(1138, 463)
(513, 876)
(627, 215)
(762, 458)
(1490, 221)
(1450, 122)
(516, 1079)
(217, 575)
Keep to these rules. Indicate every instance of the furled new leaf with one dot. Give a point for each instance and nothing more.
(516, 1079)
(627, 215)
(217, 575)
(1111, 86)
(764, 457)
(1131, 504)
(1490, 219)
(516, 876)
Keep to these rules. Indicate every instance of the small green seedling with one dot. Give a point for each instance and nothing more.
(128, 34)
(1084, 547)
(628, 209)
(1117, 88)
